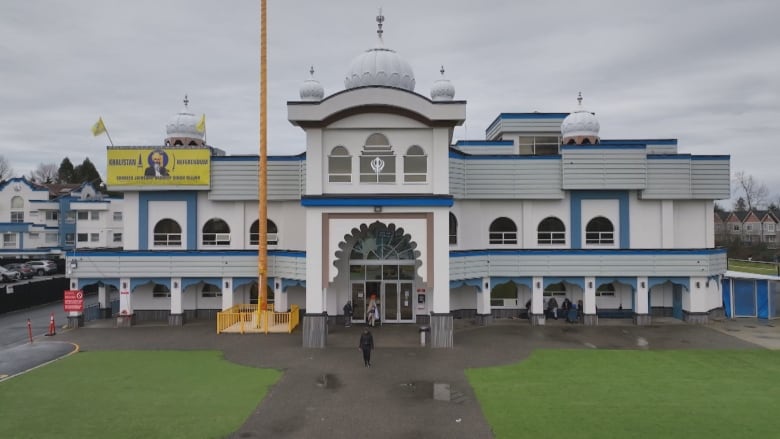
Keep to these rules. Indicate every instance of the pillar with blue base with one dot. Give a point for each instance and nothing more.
(441, 330)
(315, 330)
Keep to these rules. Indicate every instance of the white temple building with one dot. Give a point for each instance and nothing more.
(385, 203)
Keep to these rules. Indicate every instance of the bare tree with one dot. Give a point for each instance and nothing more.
(754, 192)
(5, 169)
(46, 173)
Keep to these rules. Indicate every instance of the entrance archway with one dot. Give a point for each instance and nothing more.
(383, 263)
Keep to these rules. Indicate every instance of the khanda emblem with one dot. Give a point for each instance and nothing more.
(377, 165)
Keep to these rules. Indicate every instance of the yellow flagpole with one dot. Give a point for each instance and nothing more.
(262, 210)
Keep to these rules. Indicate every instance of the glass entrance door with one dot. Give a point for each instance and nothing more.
(391, 302)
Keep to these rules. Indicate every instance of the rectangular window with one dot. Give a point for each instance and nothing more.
(52, 238)
(94, 215)
(52, 215)
(735, 227)
(415, 169)
(9, 240)
(82, 215)
(34, 235)
(117, 237)
(377, 169)
(770, 227)
(70, 239)
(83, 237)
(749, 227)
(339, 169)
(117, 216)
(70, 217)
(17, 217)
(94, 237)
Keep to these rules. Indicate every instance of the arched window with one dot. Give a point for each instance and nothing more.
(216, 232)
(159, 290)
(415, 165)
(503, 231)
(453, 229)
(377, 160)
(605, 290)
(17, 209)
(551, 231)
(167, 232)
(254, 233)
(339, 165)
(599, 231)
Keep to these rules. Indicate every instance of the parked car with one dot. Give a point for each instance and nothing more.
(25, 270)
(43, 267)
(7, 275)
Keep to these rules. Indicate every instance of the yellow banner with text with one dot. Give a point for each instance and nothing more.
(168, 166)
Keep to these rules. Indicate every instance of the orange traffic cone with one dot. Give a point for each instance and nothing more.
(52, 327)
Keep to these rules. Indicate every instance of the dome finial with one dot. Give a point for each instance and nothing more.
(379, 20)
(311, 71)
(186, 101)
(442, 71)
(579, 99)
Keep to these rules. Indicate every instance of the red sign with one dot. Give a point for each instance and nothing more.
(73, 301)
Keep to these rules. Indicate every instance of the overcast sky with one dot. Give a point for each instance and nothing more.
(706, 72)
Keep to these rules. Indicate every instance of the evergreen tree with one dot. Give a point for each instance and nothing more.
(741, 205)
(86, 173)
(66, 172)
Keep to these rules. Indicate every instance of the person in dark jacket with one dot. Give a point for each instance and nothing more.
(348, 314)
(366, 345)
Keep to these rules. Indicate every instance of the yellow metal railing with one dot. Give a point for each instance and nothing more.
(250, 318)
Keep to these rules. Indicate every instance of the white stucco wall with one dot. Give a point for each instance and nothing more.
(130, 219)
(646, 223)
(689, 224)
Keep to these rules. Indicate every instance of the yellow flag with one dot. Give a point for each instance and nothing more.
(201, 126)
(99, 127)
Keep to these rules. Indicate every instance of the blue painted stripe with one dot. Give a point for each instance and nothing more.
(254, 158)
(191, 200)
(711, 157)
(601, 146)
(484, 143)
(377, 201)
(287, 283)
(188, 253)
(508, 157)
(640, 141)
(668, 156)
(594, 252)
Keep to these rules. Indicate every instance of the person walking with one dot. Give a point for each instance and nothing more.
(366, 345)
(348, 314)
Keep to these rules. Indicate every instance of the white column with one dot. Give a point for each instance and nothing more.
(642, 303)
(537, 296)
(125, 301)
(698, 295)
(667, 224)
(314, 287)
(227, 293)
(441, 260)
(280, 297)
(176, 298)
(102, 296)
(589, 296)
(483, 297)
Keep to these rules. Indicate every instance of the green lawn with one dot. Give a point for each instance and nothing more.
(133, 394)
(754, 267)
(633, 394)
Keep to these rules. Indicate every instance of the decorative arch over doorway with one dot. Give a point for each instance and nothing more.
(383, 263)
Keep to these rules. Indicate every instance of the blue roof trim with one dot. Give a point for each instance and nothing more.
(711, 157)
(484, 143)
(185, 253)
(254, 158)
(668, 156)
(640, 141)
(602, 146)
(445, 201)
(570, 252)
(509, 157)
(30, 184)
